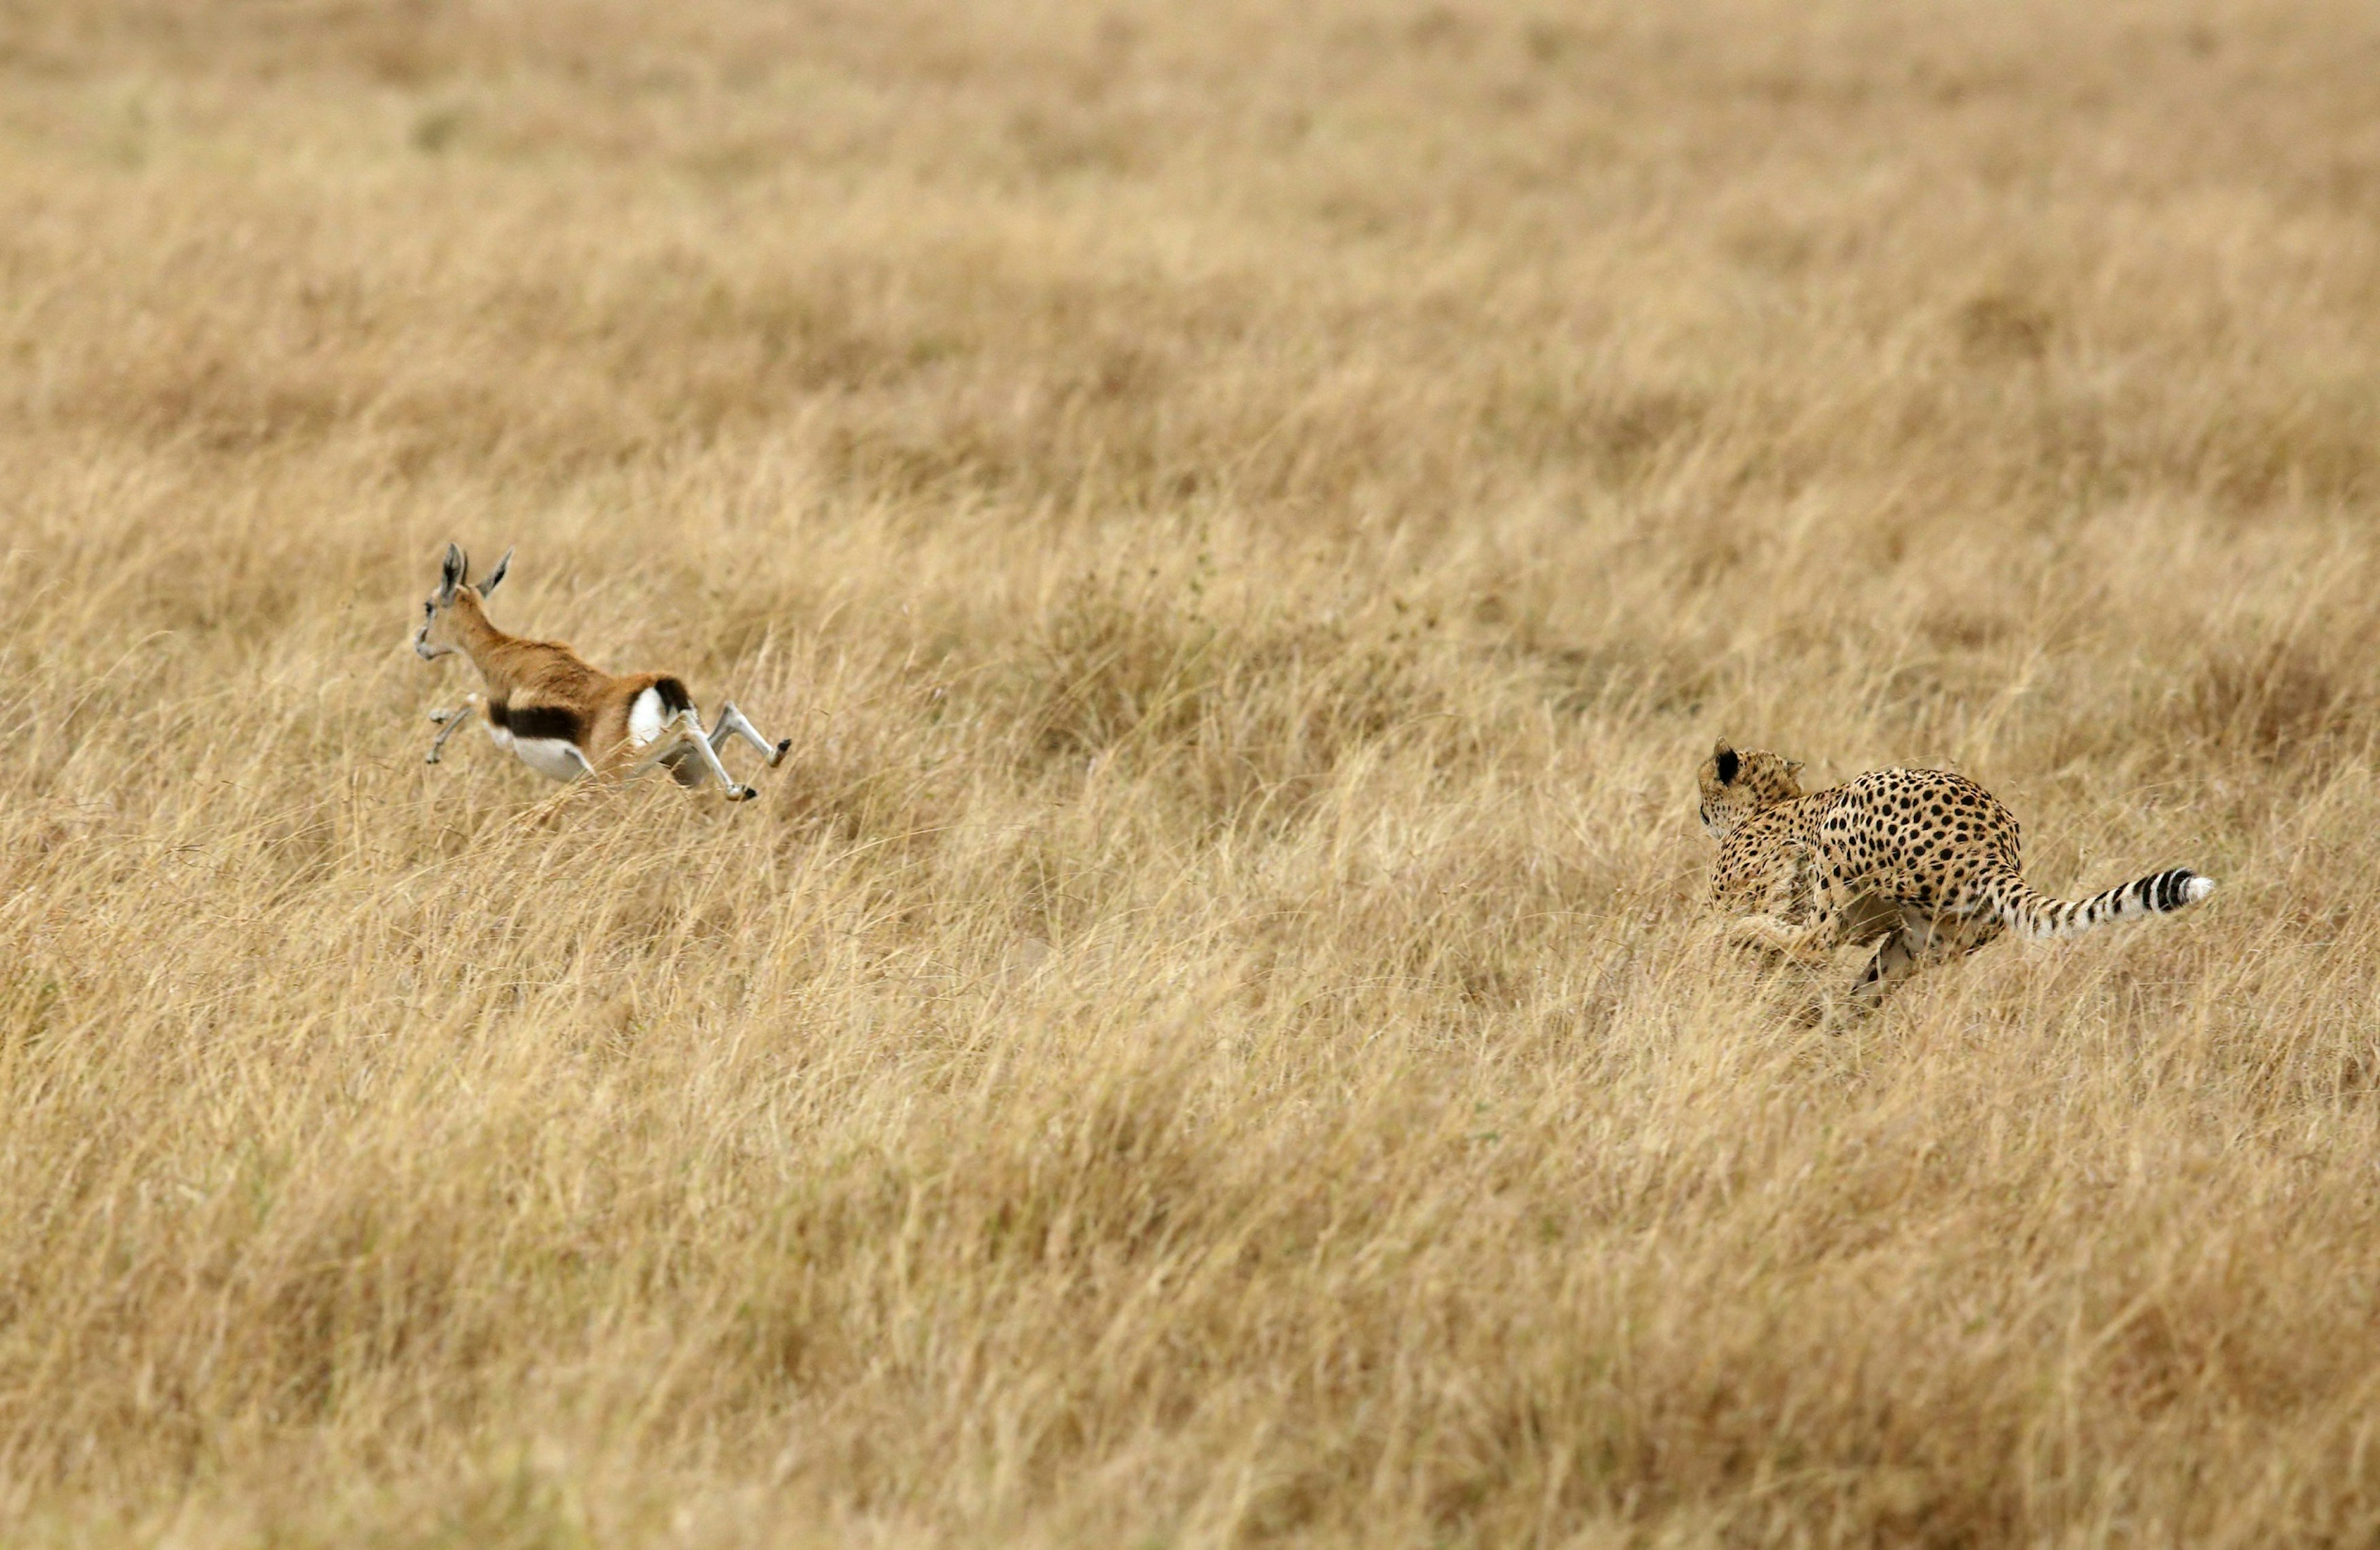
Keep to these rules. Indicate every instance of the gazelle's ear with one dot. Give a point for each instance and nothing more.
(451, 576)
(1730, 767)
(497, 575)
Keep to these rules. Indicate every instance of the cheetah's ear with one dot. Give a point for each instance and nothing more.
(1792, 767)
(1730, 767)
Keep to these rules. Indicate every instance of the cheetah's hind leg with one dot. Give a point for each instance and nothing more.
(1923, 937)
(1893, 962)
(1802, 942)
(1870, 916)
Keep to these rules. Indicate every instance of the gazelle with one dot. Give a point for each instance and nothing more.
(563, 716)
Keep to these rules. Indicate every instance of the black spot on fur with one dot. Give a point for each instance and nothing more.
(545, 721)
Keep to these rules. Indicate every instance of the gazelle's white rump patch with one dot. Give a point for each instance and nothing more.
(646, 714)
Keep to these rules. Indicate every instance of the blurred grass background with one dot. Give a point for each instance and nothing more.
(1250, 518)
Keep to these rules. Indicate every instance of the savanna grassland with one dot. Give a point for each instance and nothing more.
(1251, 516)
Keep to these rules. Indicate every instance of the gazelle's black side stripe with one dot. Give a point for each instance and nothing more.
(673, 696)
(543, 720)
(497, 710)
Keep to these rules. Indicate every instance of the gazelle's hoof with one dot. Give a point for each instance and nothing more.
(430, 758)
(784, 746)
(741, 793)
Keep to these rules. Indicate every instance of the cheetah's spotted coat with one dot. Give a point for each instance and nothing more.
(1924, 859)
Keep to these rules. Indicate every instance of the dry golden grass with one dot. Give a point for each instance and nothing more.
(1251, 515)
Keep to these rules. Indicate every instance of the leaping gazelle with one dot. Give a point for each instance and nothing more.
(563, 716)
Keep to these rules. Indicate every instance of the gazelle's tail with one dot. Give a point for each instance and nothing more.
(2036, 915)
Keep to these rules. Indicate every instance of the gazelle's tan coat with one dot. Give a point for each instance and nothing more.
(560, 714)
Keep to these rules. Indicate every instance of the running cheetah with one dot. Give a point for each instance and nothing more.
(1921, 858)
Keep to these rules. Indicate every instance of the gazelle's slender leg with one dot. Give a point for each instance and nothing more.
(709, 753)
(667, 744)
(684, 734)
(447, 721)
(733, 723)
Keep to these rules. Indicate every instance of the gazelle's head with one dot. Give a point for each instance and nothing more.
(438, 636)
(1735, 786)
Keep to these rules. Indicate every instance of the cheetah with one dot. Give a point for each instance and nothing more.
(1923, 860)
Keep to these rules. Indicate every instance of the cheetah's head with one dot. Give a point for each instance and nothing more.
(1735, 785)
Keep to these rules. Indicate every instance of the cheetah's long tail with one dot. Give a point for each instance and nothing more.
(2036, 915)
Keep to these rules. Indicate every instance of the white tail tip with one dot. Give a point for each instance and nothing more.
(2196, 889)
